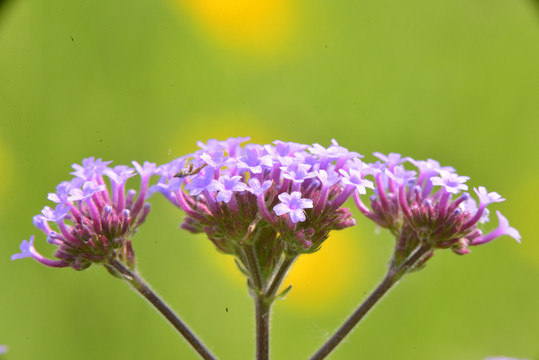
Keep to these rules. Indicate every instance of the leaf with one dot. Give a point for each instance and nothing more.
(284, 292)
(241, 268)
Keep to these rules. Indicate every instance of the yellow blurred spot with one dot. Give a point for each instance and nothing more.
(318, 280)
(254, 26)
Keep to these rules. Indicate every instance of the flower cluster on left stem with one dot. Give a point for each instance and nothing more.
(92, 221)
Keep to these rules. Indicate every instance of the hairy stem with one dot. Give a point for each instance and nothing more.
(262, 314)
(138, 284)
(254, 269)
(277, 280)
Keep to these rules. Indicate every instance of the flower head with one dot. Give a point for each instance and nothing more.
(426, 210)
(92, 223)
(287, 193)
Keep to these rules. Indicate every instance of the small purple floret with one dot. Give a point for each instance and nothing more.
(503, 229)
(486, 198)
(293, 204)
(200, 182)
(450, 181)
(27, 249)
(354, 178)
(258, 189)
(88, 189)
(225, 186)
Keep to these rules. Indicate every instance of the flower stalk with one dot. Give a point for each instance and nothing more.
(137, 283)
(262, 318)
(391, 278)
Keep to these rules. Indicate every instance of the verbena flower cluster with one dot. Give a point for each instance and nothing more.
(92, 222)
(427, 206)
(289, 196)
(266, 205)
(284, 197)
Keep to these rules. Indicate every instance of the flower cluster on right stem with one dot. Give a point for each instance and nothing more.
(428, 208)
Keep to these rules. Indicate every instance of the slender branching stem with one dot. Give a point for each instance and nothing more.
(253, 268)
(278, 279)
(391, 278)
(262, 305)
(263, 301)
(140, 285)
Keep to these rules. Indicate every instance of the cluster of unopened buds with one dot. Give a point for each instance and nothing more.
(266, 205)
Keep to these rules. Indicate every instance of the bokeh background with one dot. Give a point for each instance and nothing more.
(457, 81)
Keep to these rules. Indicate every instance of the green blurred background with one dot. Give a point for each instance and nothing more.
(143, 80)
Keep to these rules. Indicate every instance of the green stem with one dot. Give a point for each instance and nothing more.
(138, 284)
(262, 306)
(262, 314)
(279, 276)
(391, 278)
(253, 268)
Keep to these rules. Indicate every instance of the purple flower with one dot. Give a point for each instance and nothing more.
(334, 152)
(258, 189)
(91, 225)
(399, 175)
(215, 160)
(91, 168)
(253, 162)
(293, 204)
(329, 179)
(226, 185)
(486, 197)
(422, 213)
(390, 160)
(430, 166)
(233, 197)
(59, 212)
(62, 192)
(28, 250)
(200, 182)
(297, 172)
(283, 149)
(89, 188)
(503, 229)
(3, 349)
(354, 178)
(119, 174)
(232, 145)
(451, 182)
(146, 170)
